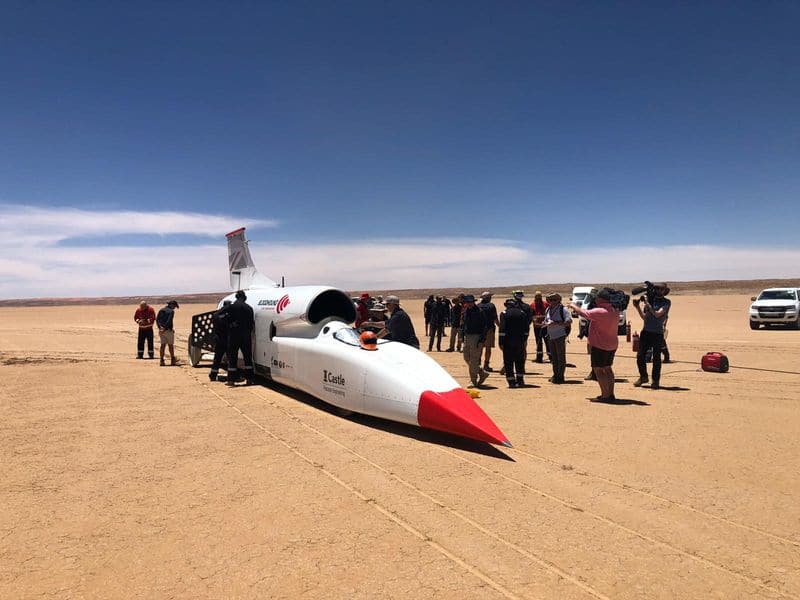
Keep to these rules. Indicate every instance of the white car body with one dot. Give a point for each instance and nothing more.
(304, 339)
(776, 306)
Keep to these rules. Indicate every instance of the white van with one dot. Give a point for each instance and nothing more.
(579, 297)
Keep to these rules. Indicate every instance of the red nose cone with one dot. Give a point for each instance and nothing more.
(455, 412)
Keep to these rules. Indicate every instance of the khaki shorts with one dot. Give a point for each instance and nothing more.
(489, 343)
(167, 337)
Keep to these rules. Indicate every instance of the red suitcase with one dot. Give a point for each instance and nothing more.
(715, 362)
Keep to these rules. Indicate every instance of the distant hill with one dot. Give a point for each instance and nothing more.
(686, 288)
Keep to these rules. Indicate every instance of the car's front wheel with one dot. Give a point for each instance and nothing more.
(754, 325)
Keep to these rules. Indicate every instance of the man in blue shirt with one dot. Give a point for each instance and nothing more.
(652, 338)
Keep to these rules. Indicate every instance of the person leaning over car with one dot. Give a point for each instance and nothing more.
(603, 341)
(399, 327)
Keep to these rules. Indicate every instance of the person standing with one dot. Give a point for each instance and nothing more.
(438, 314)
(362, 309)
(166, 331)
(474, 325)
(426, 311)
(456, 334)
(652, 337)
(558, 321)
(603, 340)
(220, 319)
(514, 326)
(518, 296)
(490, 316)
(399, 327)
(538, 309)
(145, 316)
(240, 337)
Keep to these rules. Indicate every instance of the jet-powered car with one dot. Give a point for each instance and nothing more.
(304, 339)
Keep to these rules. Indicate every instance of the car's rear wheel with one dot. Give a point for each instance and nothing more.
(754, 325)
(797, 322)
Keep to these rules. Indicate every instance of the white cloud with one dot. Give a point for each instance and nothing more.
(36, 226)
(32, 265)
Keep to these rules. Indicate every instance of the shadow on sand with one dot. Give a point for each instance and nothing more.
(619, 402)
(428, 436)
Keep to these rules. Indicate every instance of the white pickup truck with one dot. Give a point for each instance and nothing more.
(776, 306)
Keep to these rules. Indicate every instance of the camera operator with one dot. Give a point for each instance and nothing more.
(653, 308)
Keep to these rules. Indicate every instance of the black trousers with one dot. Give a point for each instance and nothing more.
(436, 330)
(653, 342)
(145, 334)
(220, 350)
(244, 342)
(514, 360)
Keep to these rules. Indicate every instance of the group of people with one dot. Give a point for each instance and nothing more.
(146, 318)
(233, 323)
(477, 326)
(475, 329)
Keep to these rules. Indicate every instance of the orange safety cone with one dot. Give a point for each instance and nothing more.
(628, 332)
(635, 341)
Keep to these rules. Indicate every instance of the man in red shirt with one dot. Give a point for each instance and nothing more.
(538, 309)
(603, 340)
(362, 309)
(144, 316)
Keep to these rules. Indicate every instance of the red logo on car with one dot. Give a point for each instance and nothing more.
(282, 304)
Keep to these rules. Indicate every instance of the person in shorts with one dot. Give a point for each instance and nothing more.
(603, 340)
(166, 331)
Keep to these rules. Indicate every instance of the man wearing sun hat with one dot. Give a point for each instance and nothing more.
(558, 321)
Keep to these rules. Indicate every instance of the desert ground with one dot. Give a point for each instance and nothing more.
(121, 479)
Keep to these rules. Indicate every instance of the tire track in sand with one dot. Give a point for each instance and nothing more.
(371, 502)
(566, 503)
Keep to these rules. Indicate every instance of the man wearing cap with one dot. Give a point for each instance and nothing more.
(362, 309)
(603, 340)
(514, 326)
(490, 315)
(399, 327)
(474, 326)
(538, 309)
(377, 319)
(144, 316)
(652, 338)
(240, 337)
(166, 331)
(558, 321)
(518, 296)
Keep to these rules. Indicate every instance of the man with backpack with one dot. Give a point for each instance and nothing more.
(558, 322)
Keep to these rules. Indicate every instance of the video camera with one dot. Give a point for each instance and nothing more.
(647, 292)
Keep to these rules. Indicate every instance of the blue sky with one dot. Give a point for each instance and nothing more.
(418, 133)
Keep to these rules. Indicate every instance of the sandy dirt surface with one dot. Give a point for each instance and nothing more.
(121, 479)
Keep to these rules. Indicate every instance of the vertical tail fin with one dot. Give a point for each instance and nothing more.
(244, 274)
